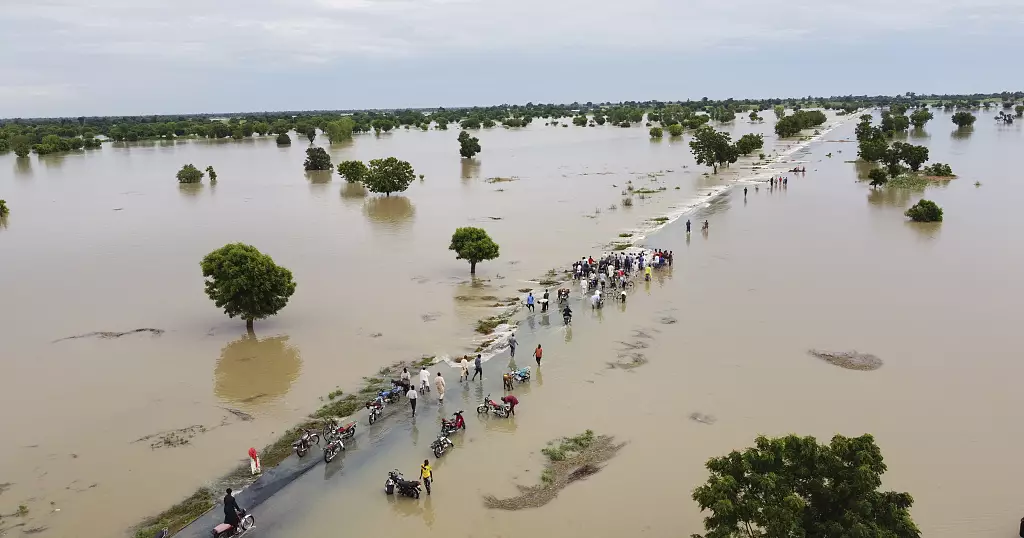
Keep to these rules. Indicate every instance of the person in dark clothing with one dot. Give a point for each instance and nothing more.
(231, 510)
(687, 225)
(478, 368)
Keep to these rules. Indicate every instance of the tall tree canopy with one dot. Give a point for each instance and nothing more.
(317, 159)
(468, 145)
(473, 245)
(389, 175)
(712, 148)
(246, 283)
(352, 171)
(795, 487)
(963, 119)
(189, 174)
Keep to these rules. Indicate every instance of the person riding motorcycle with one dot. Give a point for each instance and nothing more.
(567, 314)
(232, 512)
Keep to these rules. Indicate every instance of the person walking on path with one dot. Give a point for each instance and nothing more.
(538, 354)
(744, 192)
(412, 395)
(529, 302)
(427, 474)
(512, 343)
(687, 225)
(479, 369)
(464, 376)
(439, 385)
(424, 380)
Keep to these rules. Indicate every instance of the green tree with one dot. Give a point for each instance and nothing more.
(189, 174)
(473, 245)
(795, 487)
(600, 119)
(963, 119)
(352, 171)
(878, 177)
(749, 143)
(468, 145)
(22, 151)
(920, 117)
(261, 128)
(656, 132)
(213, 174)
(246, 283)
(892, 159)
(317, 159)
(284, 140)
(1019, 109)
(913, 155)
(755, 117)
(310, 133)
(389, 175)
(340, 130)
(675, 130)
(712, 148)
(580, 121)
(4, 210)
(925, 211)
(938, 170)
(780, 111)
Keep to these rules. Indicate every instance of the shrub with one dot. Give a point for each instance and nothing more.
(352, 171)
(963, 119)
(317, 159)
(675, 129)
(878, 177)
(283, 139)
(925, 211)
(939, 170)
(189, 174)
(627, 202)
(656, 132)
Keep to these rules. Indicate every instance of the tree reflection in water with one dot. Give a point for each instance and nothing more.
(254, 371)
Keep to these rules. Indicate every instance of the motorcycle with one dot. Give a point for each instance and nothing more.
(332, 428)
(441, 445)
(307, 440)
(333, 447)
(409, 488)
(390, 396)
(449, 427)
(244, 524)
(497, 408)
(376, 407)
(566, 318)
(521, 375)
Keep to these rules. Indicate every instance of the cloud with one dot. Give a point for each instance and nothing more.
(104, 47)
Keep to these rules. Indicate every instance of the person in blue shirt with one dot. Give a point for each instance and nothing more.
(529, 302)
(479, 370)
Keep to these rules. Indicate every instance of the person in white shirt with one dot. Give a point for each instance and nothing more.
(595, 299)
(424, 380)
(464, 376)
(439, 385)
(412, 399)
(406, 377)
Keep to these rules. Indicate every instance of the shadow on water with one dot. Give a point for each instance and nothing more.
(54, 160)
(23, 166)
(190, 189)
(925, 231)
(3, 222)
(392, 212)
(863, 168)
(919, 133)
(352, 194)
(318, 177)
(961, 133)
(890, 197)
(470, 169)
(254, 371)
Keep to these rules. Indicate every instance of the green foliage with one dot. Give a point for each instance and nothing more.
(938, 170)
(1019, 110)
(4, 210)
(568, 447)
(352, 171)
(925, 211)
(913, 156)
(310, 133)
(963, 119)
(22, 151)
(178, 516)
(656, 132)
(470, 123)
(878, 177)
(892, 159)
(189, 174)
(212, 173)
(794, 487)
(389, 175)
(340, 130)
(246, 283)
(599, 119)
(749, 143)
(801, 119)
(468, 145)
(893, 123)
(580, 121)
(713, 148)
(755, 117)
(780, 111)
(675, 130)
(283, 139)
(317, 159)
(473, 245)
(920, 117)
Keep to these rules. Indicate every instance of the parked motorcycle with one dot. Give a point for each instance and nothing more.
(409, 488)
(332, 448)
(521, 375)
(376, 407)
(390, 396)
(497, 408)
(449, 427)
(224, 530)
(332, 429)
(308, 439)
(441, 445)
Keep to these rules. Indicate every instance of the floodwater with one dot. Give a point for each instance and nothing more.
(824, 263)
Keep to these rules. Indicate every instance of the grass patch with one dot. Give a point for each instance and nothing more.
(548, 282)
(646, 191)
(620, 246)
(625, 235)
(627, 202)
(524, 290)
(334, 394)
(501, 179)
(660, 220)
(487, 325)
(342, 407)
(569, 459)
(908, 181)
(176, 517)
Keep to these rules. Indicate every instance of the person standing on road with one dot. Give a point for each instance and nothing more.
(424, 380)
(479, 368)
(412, 395)
(512, 343)
(538, 354)
(687, 225)
(427, 474)
(464, 376)
(439, 385)
(529, 302)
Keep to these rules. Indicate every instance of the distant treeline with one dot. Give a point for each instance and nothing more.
(48, 135)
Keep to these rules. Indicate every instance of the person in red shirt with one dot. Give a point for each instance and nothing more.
(512, 402)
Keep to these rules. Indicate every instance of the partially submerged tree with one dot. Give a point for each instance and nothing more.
(657, 132)
(212, 173)
(938, 170)
(878, 177)
(4, 210)
(189, 174)
(795, 487)
(339, 130)
(713, 148)
(389, 175)
(755, 117)
(913, 155)
(317, 159)
(283, 139)
(1019, 109)
(246, 283)
(352, 171)
(310, 133)
(468, 145)
(925, 211)
(920, 117)
(473, 245)
(749, 143)
(675, 130)
(963, 119)
(780, 111)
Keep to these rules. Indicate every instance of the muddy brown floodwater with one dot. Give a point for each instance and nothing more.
(824, 264)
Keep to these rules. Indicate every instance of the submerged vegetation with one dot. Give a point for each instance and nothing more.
(925, 211)
(189, 174)
(317, 159)
(473, 245)
(246, 283)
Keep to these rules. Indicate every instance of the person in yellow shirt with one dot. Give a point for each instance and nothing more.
(647, 273)
(426, 473)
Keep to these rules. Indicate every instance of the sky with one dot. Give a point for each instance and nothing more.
(126, 57)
